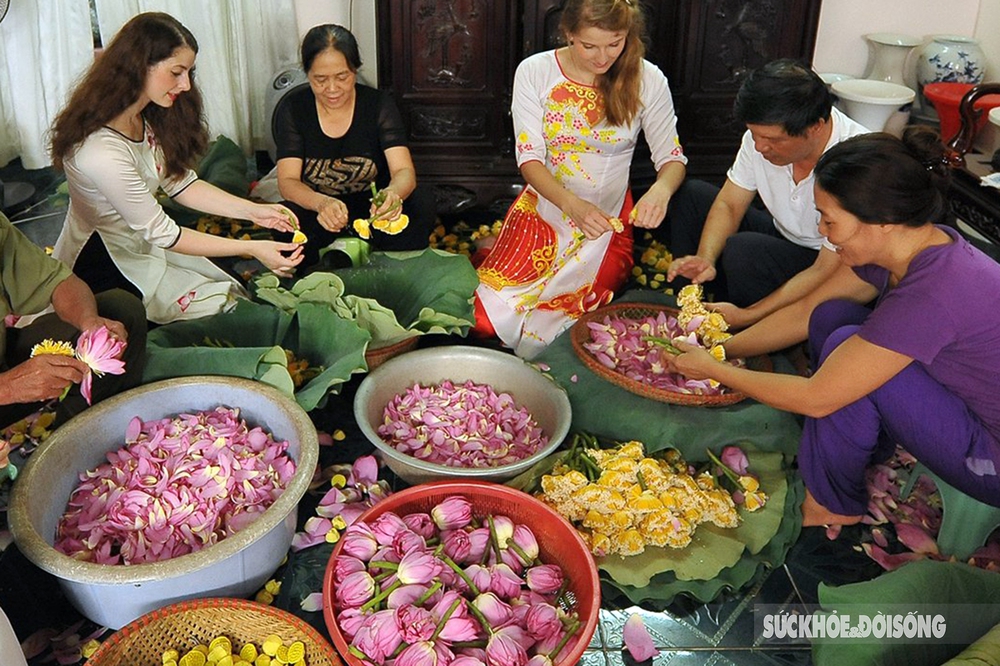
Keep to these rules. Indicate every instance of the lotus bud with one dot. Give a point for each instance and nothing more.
(418, 567)
(415, 624)
(359, 541)
(356, 589)
(453, 513)
(544, 579)
(496, 612)
(420, 523)
(542, 621)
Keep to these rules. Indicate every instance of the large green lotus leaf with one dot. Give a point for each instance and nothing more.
(712, 548)
(380, 321)
(250, 342)
(429, 290)
(319, 335)
(232, 343)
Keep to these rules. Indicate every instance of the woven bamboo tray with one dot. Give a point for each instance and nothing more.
(580, 334)
(184, 625)
(376, 356)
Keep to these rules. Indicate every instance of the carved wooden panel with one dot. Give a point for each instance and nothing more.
(450, 64)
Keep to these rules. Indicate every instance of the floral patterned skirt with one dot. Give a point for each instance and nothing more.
(541, 276)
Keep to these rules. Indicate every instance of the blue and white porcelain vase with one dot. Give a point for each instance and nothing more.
(953, 59)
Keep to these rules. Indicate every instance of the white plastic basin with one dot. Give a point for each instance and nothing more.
(237, 566)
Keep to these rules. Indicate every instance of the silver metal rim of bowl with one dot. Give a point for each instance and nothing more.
(444, 471)
(45, 556)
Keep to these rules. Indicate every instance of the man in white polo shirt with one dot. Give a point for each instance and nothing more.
(768, 257)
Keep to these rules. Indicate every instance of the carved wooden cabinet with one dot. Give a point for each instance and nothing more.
(450, 64)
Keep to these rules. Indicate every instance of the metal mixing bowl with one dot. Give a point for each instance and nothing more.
(542, 397)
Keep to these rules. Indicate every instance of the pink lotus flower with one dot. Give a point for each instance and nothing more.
(479, 541)
(418, 568)
(350, 621)
(420, 523)
(102, 352)
(503, 650)
(544, 578)
(540, 659)
(480, 576)
(463, 660)
(405, 595)
(379, 636)
(496, 612)
(457, 545)
(385, 527)
(637, 639)
(459, 626)
(418, 654)
(345, 565)
(359, 541)
(527, 544)
(734, 458)
(543, 621)
(504, 582)
(356, 589)
(415, 624)
(453, 513)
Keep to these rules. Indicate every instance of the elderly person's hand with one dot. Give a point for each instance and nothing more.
(44, 377)
(332, 214)
(116, 328)
(391, 208)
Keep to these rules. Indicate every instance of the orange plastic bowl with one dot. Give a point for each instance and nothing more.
(558, 543)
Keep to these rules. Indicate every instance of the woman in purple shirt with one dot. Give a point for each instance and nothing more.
(921, 369)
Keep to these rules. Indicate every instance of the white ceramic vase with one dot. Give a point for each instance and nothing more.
(887, 56)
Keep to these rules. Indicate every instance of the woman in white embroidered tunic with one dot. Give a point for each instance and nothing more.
(566, 244)
(134, 125)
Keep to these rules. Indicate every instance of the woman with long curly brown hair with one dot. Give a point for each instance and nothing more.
(132, 126)
(566, 244)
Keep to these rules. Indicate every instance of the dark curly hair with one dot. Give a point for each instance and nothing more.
(116, 80)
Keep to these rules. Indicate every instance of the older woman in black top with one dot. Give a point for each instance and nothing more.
(334, 139)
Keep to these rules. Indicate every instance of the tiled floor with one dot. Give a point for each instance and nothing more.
(686, 633)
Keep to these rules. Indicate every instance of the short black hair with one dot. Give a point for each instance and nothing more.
(330, 36)
(783, 92)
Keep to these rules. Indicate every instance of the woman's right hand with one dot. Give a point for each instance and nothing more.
(282, 258)
(588, 218)
(332, 214)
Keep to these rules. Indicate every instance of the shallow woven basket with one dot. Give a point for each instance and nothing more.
(184, 625)
(580, 335)
(376, 356)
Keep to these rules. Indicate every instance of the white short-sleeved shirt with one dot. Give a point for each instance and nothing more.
(792, 204)
(113, 182)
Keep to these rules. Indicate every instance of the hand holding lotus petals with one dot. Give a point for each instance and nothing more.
(694, 362)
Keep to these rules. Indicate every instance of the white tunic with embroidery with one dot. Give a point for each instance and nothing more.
(540, 275)
(112, 185)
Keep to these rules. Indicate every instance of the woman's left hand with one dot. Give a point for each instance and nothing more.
(390, 208)
(649, 211)
(273, 216)
(694, 363)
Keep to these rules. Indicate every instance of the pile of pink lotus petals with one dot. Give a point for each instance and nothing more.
(618, 343)
(460, 426)
(445, 588)
(179, 485)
